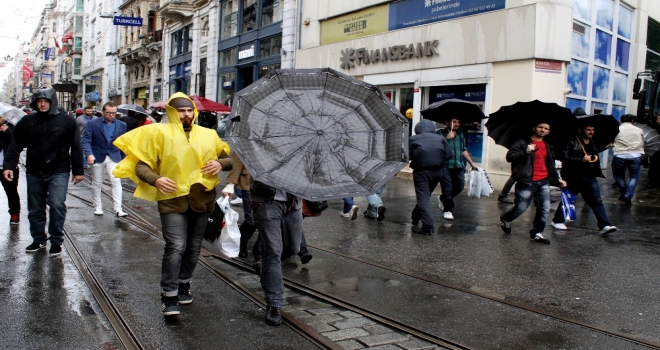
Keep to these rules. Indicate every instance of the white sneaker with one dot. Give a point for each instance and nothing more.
(237, 201)
(448, 215)
(559, 226)
(539, 238)
(607, 229)
(98, 211)
(353, 212)
(121, 214)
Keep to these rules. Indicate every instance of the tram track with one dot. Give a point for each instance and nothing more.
(411, 329)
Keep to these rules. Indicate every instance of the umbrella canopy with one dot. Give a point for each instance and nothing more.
(651, 139)
(465, 111)
(318, 134)
(606, 128)
(135, 108)
(515, 122)
(11, 114)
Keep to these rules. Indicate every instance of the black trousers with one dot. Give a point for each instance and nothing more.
(11, 189)
(425, 183)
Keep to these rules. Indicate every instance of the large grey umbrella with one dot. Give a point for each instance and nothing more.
(651, 139)
(318, 134)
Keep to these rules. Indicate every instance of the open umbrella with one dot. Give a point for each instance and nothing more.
(11, 114)
(318, 134)
(135, 108)
(651, 139)
(606, 128)
(515, 122)
(466, 111)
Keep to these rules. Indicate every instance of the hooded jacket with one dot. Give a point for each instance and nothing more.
(428, 150)
(52, 140)
(168, 150)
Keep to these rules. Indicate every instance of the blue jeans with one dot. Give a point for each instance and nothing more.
(539, 191)
(239, 192)
(375, 201)
(183, 234)
(48, 190)
(348, 204)
(425, 182)
(590, 191)
(280, 232)
(453, 182)
(619, 167)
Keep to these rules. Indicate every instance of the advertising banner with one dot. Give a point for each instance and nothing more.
(127, 21)
(410, 13)
(354, 25)
(27, 75)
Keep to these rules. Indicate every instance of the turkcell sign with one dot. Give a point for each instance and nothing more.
(410, 13)
(127, 21)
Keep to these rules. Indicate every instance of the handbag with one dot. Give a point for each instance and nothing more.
(312, 208)
(214, 224)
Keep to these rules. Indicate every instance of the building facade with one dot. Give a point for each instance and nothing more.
(582, 53)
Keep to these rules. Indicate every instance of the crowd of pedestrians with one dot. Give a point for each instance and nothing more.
(165, 159)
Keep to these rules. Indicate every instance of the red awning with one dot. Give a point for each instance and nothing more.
(203, 105)
(68, 36)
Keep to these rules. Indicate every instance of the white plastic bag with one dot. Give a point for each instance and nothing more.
(486, 186)
(474, 183)
(230, 235)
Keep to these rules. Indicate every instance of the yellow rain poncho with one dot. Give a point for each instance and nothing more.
(165, 148)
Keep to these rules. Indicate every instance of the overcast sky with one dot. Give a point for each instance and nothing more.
(18, 21)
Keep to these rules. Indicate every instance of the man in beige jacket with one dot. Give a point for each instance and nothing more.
(628, 150)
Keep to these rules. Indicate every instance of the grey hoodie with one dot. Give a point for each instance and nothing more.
(428, 150)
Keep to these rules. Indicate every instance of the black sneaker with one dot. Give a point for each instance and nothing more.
(170, 306)
(422, 231)
(505, 225)
(306, 258)
(34, 247)
(538, 238)
(504, 199)
(185, 297)
(380, 216)
(55, 250)
(273, 317)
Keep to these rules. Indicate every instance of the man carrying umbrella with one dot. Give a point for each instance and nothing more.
(533, 166)
(580, 169)
(455, 174)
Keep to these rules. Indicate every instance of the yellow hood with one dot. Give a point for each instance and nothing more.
(165, 148)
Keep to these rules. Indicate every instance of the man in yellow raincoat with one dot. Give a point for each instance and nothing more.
(176, 164)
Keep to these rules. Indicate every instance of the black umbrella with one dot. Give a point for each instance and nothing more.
(512, 123)
(465, 111)
(606, 128)
(318, 133)
(135, 108)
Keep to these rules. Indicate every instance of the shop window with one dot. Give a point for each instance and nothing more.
(620, 87)
(226, 91)
(601, 83)
(577, 77)
(271, 12)
(227, 57)
(605, 14)
(573, 103)
(622, 55)
(270, 46)
(228, 25)
(249, 15)
(263, 70)
(581, 40)
(185, 40)
(653, 37)
(618, 111)
(582, 9)
(625, 22)
(603, 47)
(174, 44)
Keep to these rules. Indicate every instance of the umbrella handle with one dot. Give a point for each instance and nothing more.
(594, 158)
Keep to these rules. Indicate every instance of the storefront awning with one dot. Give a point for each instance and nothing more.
(65, 87)
(68, 36)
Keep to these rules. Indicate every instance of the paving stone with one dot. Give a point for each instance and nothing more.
(382, 339)
(378, 329)
(320, 318)
(385, 347)
(322, 327)
(323, 311)
(350, 314)
(416, 344)
(345, 334)
(354, 322)
(297, 313)
(350, 345)
(311, 303)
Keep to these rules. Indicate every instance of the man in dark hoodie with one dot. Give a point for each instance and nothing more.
(429, 153)
(533, 167)
(52, 140)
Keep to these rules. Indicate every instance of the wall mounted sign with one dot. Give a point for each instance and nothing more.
(548, 66)
(410, 13)
(127, 21)
(354, 25)
(350, 57)
(247, 53)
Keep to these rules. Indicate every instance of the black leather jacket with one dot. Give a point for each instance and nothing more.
(572, 164)
(522, 163)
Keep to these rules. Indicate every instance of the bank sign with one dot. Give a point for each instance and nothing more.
(127, 21)
(351, 57)
(410, 13)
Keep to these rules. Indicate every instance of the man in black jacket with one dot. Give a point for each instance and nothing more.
(533, 166)
(52, 140)
(429, 153)
(580, 168)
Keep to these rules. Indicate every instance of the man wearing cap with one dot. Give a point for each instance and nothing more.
(52, 140)
(166, 159)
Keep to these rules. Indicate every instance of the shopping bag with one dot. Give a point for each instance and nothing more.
(214, 224)
(474, 184)
(568, 204)
(230, 235)
(486, 186)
